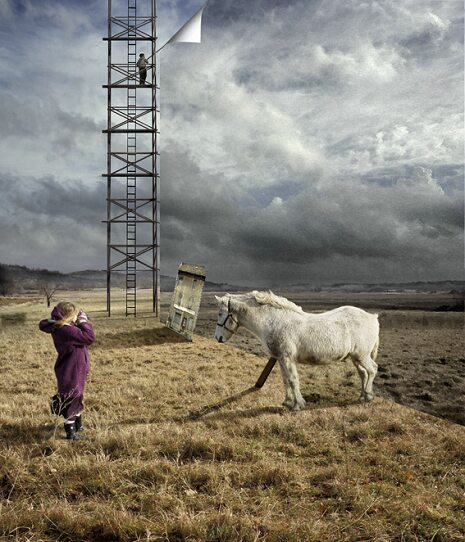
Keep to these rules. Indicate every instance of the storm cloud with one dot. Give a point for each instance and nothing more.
(300, 142)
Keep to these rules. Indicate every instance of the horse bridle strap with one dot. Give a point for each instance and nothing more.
(229, 315)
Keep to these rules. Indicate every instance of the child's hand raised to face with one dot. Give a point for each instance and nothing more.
(82, 316)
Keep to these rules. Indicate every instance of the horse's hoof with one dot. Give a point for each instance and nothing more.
(288, 404)
(299, 405)
(366, 397)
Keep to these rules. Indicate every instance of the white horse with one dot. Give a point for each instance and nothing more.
(291, 335)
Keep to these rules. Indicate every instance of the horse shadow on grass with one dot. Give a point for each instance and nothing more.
(215, 407)
(214, 410)
(139, 337)
(317, 401)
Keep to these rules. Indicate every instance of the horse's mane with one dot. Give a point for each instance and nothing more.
(273, 300)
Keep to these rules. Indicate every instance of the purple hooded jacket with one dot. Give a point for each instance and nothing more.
(72, 365)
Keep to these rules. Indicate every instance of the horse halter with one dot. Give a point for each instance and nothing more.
(228, 316)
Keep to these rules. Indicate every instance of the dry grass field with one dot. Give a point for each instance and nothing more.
(179, 446)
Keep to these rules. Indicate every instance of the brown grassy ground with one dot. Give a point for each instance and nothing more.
(179, 447)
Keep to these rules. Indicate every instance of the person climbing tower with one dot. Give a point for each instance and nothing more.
(142, 65)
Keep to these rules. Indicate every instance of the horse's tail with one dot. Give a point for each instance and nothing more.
(374, 352)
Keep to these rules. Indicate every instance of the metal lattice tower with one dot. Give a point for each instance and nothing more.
(132, 178)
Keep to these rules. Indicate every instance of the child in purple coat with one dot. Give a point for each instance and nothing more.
(71, 334)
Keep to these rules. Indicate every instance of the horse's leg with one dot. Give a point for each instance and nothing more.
(289, 396)
(367, 369)
(371, 368)
(294, 399)
(295, 384)
(362, 373)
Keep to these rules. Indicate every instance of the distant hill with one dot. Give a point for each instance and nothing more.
(457, 286)
(19, 278)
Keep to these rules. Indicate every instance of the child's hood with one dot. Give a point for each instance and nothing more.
(49, 325)
(57, 314)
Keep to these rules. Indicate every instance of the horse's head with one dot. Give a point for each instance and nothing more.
(227, 323)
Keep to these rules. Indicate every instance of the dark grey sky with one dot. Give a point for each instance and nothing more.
(302, 141)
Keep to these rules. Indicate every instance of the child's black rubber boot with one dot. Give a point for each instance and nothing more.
(78, 424)
(70, 429)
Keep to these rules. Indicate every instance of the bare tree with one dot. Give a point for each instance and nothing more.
(6, 282)
(49, 291)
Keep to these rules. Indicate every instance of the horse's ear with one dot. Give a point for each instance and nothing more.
(219, 300)
(232, 303)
